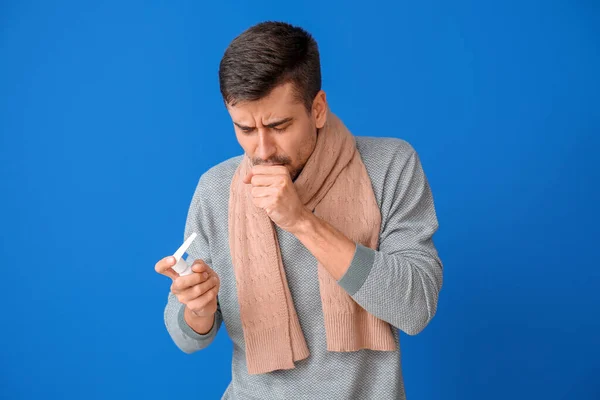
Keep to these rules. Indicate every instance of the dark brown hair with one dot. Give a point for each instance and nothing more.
(267, 55)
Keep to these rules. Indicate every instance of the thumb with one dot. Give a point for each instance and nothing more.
(165, 267)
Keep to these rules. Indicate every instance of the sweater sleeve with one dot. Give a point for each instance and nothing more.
(400, 282)
(185, 337)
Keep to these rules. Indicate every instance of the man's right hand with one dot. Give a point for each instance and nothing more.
(198, 291)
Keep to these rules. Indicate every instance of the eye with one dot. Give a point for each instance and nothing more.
(281, 129)
(247, 130)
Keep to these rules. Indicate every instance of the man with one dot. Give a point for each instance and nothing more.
(314, 247)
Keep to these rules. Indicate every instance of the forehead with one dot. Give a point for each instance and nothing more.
(281, 102)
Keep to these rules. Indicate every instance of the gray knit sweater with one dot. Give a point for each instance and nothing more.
(398, 283)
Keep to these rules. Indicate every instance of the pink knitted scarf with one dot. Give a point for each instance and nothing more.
(335, 185)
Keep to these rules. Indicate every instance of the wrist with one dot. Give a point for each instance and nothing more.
(304, 223)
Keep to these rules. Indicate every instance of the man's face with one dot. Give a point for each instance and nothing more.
(277, 129)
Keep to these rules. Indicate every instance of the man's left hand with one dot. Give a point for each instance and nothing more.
(274, 192)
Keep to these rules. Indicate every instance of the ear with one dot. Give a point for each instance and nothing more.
(319, 109)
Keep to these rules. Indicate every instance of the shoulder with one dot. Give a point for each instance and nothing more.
(221, 173)
(380, 154)
(213, 185)
(390, 164)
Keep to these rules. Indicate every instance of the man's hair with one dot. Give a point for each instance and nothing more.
(267, 55)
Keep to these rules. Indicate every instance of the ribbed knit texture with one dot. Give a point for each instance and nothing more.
(335, 185)
(398, 283)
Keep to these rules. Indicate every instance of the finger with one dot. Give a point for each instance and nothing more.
(163, 267)
(164, 264)
(203, 301)
(262, 202)
(268, 180)
(198, 290)
(248, 178)
(261, 191)
(201, 267)
(270, 170)
(183, 283)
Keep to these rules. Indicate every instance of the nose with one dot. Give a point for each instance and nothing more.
(266, 146)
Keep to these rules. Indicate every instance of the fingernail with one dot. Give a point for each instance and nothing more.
(170, 259)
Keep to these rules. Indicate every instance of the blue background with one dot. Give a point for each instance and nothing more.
(110, 113)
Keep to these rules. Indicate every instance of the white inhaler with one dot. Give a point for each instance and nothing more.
(181, 266)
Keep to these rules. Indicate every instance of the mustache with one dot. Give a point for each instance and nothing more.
(279, 160)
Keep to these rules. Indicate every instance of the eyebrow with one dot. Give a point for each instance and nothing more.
(271, 125)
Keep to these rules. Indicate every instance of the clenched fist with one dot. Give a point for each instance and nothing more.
(273, 190)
